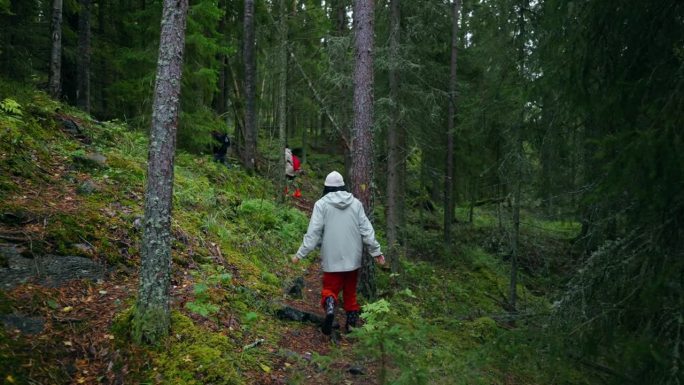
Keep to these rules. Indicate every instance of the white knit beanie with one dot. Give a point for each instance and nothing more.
(334, 179)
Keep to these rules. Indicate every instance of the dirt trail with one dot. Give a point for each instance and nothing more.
(307, 341)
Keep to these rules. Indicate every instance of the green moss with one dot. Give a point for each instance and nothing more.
(7, 185)
(192, 356)
(121, 325)
(64, 231)
(150, 326)
(483, 328)
(270, 278)
(259, 213)
(124, 170)
(6, 303)
(11, 370)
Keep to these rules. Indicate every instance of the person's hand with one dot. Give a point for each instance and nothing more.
(294, 258)
(380, 259)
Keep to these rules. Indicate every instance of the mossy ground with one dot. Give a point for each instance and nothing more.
(230, 252)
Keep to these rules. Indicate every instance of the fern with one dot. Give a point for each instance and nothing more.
(11, 107)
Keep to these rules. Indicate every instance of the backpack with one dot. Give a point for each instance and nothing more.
(296, 164)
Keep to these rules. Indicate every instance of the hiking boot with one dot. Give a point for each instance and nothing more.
(329, 307)
(352, 319)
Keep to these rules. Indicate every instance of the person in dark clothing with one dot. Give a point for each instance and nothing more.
(221, 149)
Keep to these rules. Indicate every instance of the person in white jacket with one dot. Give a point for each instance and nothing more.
(340, 226)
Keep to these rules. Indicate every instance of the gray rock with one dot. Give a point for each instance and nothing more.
(84, 248)
(357, 370)
(86, 188)
(92, 159)
(25, 324)
(16, 217)
(48, 270)
(296, 288)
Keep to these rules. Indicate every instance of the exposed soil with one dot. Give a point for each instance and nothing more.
(63, 333)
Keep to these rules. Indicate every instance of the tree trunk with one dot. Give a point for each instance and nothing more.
(449, 179)
(151, 319)
(362, 142)
(395, 158)
(100, 73)
(249, 155)
(340, 12)
(237, 107)
(56, 52)
(221, 95)
(517, 194)
(282, 91)
(83, 79)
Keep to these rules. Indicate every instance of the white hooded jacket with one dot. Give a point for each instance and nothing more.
(340, 225)
(289, 165)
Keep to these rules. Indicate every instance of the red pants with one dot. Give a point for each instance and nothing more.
(345, 281)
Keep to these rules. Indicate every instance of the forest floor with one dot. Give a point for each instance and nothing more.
(71, 208)
(72, 339)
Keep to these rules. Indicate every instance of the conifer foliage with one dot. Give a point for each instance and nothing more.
(567, 111)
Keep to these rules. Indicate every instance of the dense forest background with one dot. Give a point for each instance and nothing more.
(535, 110)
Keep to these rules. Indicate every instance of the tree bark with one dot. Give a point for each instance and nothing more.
(83, 78)
(56, 51)
(449, 179)
(282, 91)
(249, 154)
(517, 194)
(362, 142)
(151, 319)
(395, 158)
(340, 12)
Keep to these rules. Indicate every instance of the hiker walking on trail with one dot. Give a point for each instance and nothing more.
(292, 168)
(340, 225)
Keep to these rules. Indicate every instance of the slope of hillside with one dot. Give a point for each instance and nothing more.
(71, 191)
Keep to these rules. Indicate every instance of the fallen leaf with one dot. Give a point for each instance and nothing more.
(265, 368)
(68, 343)
(67, 309)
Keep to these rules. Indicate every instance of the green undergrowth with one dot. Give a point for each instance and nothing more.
(229, 233)
(443, 323)
(441, 319)
(193, 355)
